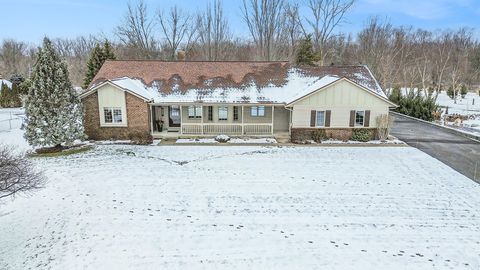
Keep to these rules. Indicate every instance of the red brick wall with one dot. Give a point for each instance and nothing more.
(138, 120)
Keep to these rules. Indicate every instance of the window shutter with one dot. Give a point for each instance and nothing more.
(328, 113)
(352, 118)
(366, 122)
(313, 118)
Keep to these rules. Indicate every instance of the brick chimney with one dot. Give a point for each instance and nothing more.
(180, 55)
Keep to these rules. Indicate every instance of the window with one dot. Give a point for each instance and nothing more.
(235, 113)
(112, 115)
(320, 122)
(222, 113)
(194, 111)
(257, 111)
(359, 118)
(210, 113)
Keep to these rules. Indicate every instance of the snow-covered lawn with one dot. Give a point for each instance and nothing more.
(244, 207)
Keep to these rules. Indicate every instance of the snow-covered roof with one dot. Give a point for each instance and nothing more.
(227, 82)
(296, 87)
(7, 82)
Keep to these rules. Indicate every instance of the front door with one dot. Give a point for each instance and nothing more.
(174, 116)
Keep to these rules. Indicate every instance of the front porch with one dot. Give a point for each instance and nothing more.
(172, 120)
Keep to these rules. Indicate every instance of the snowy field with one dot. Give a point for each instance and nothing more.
(464, 106)
(199, 207)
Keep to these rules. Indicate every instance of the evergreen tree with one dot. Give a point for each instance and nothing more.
(4, 95)
(463, 90)
(305, 53)
(53, 111)
(450, 91)
(395, 95)
(96, 60)
(15, 100)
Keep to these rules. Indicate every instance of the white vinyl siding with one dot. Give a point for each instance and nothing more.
(340, 98)
(112, 106)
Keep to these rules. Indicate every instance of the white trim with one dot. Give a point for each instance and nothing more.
(96, 87)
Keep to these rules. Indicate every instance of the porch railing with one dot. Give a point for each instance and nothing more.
(227, 129)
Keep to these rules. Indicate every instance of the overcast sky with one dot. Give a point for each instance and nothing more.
(30, 20)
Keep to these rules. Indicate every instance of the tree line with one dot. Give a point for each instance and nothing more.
(397, 55)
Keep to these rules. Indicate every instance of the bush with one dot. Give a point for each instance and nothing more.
(361, 135)
(222, 138)
(138, 137)
(319, 135)
(450, 92)
(463, 90)
(417, 105)
(17, 174)
(384, 124)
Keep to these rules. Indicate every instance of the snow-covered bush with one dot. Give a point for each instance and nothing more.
(222, 138)
(361, 135)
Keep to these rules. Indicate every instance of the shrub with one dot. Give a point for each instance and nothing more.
(463, 90)
(17, 174)
(222, 138)
(384, 124)
(361, 135)
(138, 137)
(417, 105)
(319, 135)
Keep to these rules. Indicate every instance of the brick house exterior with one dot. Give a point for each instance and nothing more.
(140, 100)
(138, 126)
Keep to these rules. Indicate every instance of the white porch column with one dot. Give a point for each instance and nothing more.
(151, 119)
(181, 120)
(201, 126)
(273, 114)
(242, 122)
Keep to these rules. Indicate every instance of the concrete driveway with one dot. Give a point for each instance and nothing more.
(458, 152)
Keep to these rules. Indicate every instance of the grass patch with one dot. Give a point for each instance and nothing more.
(66, 152)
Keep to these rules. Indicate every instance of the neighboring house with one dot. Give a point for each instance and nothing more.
(158, 98)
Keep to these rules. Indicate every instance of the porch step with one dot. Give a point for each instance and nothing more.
(283, 137)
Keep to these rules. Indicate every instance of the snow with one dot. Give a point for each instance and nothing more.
(11, 120)
(464, 106)
(196, 140)
(297, 85)
(243, 207)
(7, 82)
(252, 141)
(320, 83)
(230, 141)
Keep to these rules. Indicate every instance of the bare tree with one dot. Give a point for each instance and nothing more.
(213, 32)
(177, 29)
(264, 20)
(12, 57)
(292, 27)
(136, 30)
(17, 174)
(326, 16)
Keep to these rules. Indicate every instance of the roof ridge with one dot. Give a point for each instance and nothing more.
(194, 61)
